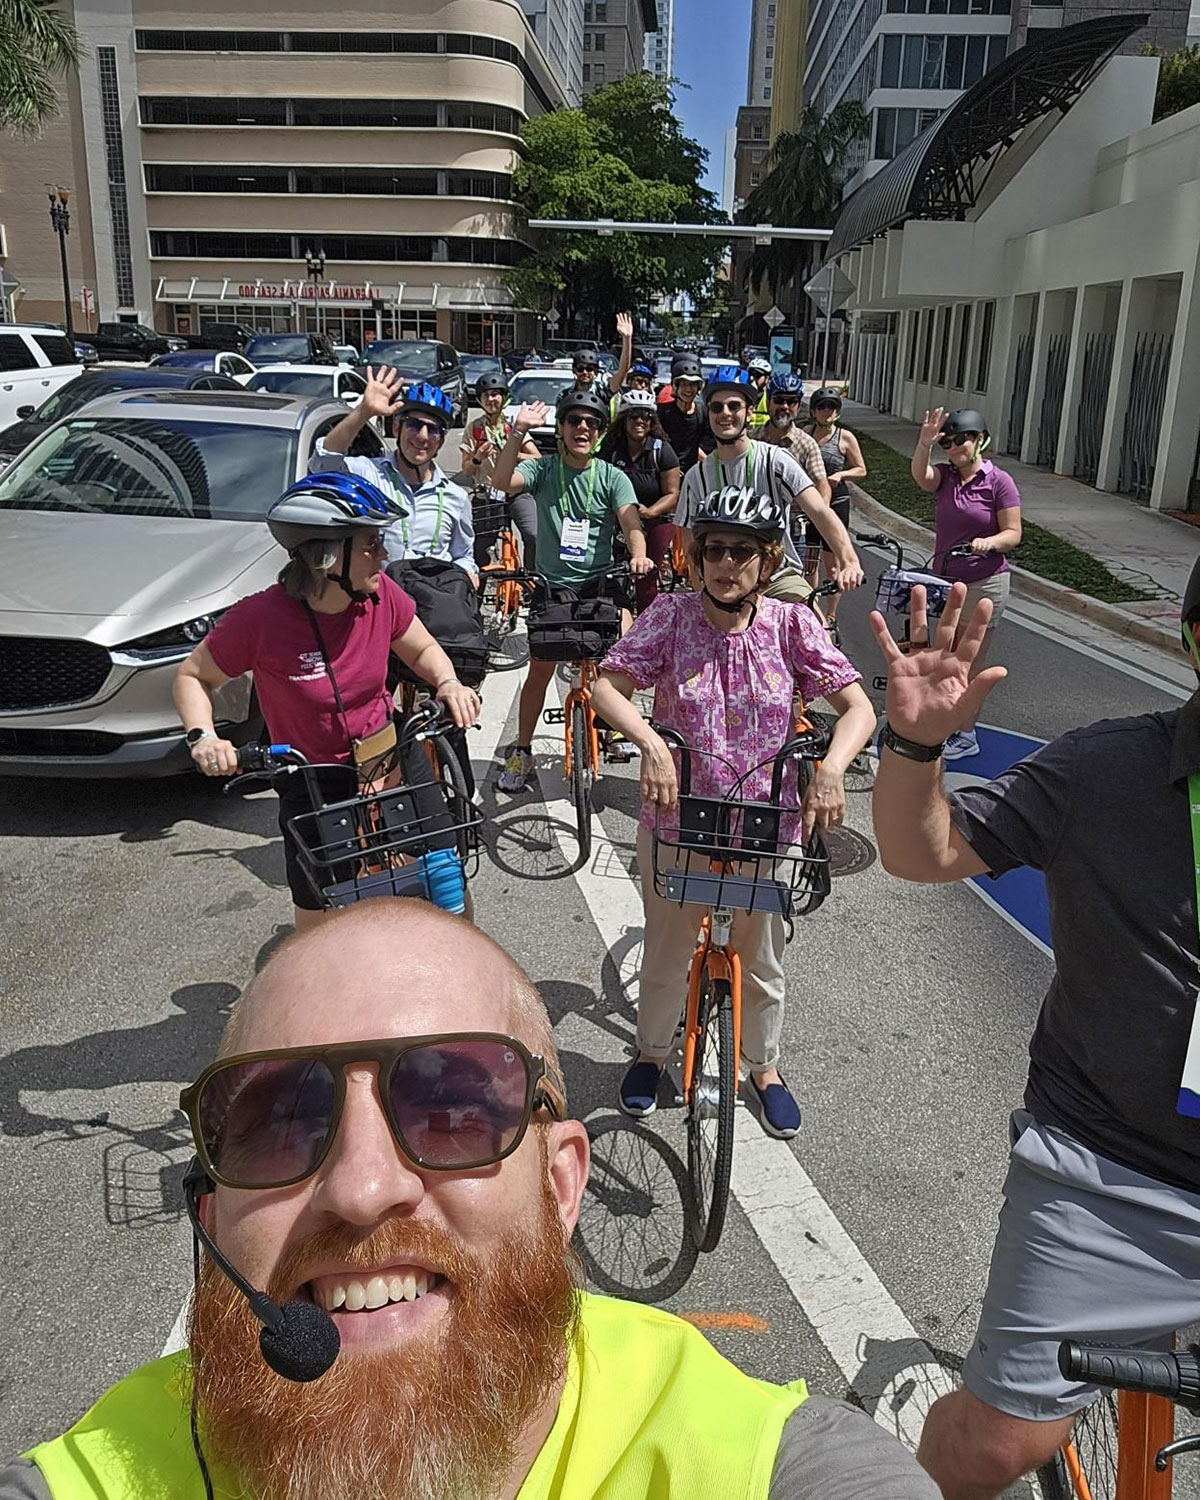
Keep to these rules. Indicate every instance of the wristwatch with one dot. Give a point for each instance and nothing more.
(909, 749)
(194, 736)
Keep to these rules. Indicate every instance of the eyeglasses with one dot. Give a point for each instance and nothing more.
(376, 543)
(954, 439)
(454, 1102)
(581, 419)
(419, 426)
(637, 416)
(733, 407)
(785, 400)
(587, 369)
(825, 406)
(739, 552)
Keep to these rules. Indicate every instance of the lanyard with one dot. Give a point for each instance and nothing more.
(749, 476)
(437, 526)
(498, 435)
(563, 486)
(1194, 809)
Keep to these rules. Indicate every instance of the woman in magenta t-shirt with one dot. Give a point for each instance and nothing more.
(975, 505)
(332, 619)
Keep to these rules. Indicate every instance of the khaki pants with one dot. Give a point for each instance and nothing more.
(667, 947)
(788, 583)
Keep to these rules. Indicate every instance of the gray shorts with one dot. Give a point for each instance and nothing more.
(788, 583)
(996, 588)
(1087, 1250)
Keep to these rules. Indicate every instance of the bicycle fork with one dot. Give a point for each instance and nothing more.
(715, 956)
(580, 693)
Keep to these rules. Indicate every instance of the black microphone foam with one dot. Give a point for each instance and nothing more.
(303, 1343)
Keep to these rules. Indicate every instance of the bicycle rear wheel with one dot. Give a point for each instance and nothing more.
(1089, 1471)
(581, 778)
(710, 1104)
(507, 650)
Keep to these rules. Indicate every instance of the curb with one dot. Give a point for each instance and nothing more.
(1028, 585)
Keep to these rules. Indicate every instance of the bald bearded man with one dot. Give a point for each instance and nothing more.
(385, 1141)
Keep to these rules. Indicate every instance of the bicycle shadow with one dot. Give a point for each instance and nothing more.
(137, 811)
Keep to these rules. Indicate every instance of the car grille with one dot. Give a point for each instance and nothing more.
(37, 673)
(56, 742)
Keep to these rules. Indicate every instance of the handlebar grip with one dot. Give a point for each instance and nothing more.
(832, 587)
(1176, 1376)
(256, 757)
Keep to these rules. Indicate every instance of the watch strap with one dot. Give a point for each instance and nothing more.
(910, 749)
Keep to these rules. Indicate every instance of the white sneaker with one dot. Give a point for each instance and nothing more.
(960, 745)
(518, 768)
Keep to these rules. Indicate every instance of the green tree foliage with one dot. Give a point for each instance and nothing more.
(802, 189)
(1178, 80)
(621, 156)
(37, 44)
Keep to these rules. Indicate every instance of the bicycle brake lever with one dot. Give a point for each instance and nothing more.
(1164, 1456)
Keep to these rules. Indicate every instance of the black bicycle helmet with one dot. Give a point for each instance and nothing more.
(686, 367)
(741, 508)
(585, 359)
(575, 400)
(965, 420)
(492, 380)
(827, 395)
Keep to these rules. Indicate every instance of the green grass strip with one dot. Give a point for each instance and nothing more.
(1042, 552)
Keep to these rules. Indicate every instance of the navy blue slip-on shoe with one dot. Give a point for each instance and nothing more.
(639, 1089)
(779, 1114)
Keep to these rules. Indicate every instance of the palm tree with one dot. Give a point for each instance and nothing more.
(803, 187)
(37, 44)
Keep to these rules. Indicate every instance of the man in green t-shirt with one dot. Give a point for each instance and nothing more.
(581, 500)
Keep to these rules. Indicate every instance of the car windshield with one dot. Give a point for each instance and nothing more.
(128, 466)
(278, 346)
(476, 365)
(292, 382)
(545, 387)
(71, 397)
(662, 369)
(419, 360)
(195, 360)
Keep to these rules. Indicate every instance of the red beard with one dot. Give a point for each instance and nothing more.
(440, 1420)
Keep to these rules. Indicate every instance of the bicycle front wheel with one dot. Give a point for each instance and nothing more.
(581, 778)
(1086, 1468)
(710, 1104)
(450, 772)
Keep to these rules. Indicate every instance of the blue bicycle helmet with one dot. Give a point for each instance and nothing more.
(329, 508)
(785, 384)
(427, 398)
(641, 369)
(728, 378)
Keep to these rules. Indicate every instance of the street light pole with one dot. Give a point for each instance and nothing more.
(60, 218)
(315, 270)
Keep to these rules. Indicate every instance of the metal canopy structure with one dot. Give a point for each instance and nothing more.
(943, 172)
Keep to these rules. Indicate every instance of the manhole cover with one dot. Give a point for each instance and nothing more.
(850, 853)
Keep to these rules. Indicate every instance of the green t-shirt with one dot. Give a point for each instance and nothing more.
(594, 494)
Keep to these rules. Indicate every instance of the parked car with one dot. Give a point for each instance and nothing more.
(539, 385)
(218, 335)
(35, 359)
(662, 372)
(331, 382)
(86, 354)
(525, 359)
(290, 348)
(347, 354)
(475, 365)
(130, 341)
(424, 359)
(93, 384)
(129, 529)
(215, 361)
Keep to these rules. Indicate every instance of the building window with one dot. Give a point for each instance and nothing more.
(770, 52)
(192, 244)
(114, 156)
(755, 178)
(767, 72)
(356, 181)
(600, 43)
(964, 347)
(927, 343)
(598, 73)
(372, 114)
(944, 346)
(914, 328)
(587, 72)
(767, 92)
(587, 41)
(986, 328)
(758, 132)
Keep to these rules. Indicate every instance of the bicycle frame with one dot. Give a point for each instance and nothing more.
(715, 956)
(582, 677)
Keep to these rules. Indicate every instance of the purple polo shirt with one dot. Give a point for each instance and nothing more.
(962, 512)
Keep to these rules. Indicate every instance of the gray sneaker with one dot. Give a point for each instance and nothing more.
(518, 768)
(960, 745)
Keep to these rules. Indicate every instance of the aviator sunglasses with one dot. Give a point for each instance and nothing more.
(454, 1102)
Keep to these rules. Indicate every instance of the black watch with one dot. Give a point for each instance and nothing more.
(194, 736)
(909, 749)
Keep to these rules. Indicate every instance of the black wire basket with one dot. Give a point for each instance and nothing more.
(404, 842)
(490, 515)
(710, 851)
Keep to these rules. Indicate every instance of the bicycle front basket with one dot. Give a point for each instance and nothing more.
(893, 593)
(573, 629)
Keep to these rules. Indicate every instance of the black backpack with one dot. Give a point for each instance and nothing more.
(448, 607)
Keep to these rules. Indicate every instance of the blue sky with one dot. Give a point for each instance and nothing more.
(712, 49)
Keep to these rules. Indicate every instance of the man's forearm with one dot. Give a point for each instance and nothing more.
(912, 820)
(343, 435)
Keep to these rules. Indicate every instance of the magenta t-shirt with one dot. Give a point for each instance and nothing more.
(962, 512)
(271, 635)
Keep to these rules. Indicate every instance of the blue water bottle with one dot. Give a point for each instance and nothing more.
(444, 882)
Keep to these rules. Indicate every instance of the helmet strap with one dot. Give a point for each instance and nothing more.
(1193, 646)
(735, 606)
(342, 579)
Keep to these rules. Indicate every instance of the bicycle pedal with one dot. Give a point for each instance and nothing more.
(554, 715)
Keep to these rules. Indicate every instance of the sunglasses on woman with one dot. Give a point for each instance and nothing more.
(454, 1102)
(955, 439)
(740, 553)
(581, 419)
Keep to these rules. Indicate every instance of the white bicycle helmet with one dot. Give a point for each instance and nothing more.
(639, 401)
(759, 365)
(743, 509)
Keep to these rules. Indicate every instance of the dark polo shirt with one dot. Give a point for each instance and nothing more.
(1103, 811)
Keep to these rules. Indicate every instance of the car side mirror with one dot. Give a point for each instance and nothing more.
(25, 412)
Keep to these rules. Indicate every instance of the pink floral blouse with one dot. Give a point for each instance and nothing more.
(729, 693)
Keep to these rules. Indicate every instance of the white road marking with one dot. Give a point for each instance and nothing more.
(1119, 661)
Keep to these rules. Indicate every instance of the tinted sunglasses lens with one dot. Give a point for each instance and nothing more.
(578, 420)
(267, 1122)
(458, 1104)
(741, 555)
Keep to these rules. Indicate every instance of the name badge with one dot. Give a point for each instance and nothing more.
(1188, 1102)
(573, 541)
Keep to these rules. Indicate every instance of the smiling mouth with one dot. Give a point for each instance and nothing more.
(353, 1294)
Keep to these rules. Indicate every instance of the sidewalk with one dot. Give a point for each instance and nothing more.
(1142, 546)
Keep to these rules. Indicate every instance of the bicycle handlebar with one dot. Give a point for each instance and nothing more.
(526, 575)
(1176, 1376)
(800, 745)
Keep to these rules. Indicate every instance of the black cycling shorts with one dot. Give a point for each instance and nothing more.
(813, 538)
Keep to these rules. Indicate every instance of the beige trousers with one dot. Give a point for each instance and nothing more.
(667, 947)
(789, 584)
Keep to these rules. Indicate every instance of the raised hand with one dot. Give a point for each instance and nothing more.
(931, 427)
(384, 389)
(532, 414)
(930, 692)
(624, 326)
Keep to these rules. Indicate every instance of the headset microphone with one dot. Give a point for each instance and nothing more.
(298, 1340)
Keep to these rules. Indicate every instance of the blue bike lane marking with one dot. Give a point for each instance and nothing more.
(1020, 896)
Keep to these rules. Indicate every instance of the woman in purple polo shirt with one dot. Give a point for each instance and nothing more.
(976, 505)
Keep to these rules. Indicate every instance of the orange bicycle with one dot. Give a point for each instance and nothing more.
(501, 595)
(728, 855)
(673, 570)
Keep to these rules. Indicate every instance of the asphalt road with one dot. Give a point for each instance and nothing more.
(135, 914)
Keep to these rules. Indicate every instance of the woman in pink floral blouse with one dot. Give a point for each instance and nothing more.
(724, 664)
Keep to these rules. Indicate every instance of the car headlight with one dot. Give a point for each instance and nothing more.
(172, 644)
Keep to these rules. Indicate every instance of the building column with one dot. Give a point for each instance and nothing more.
(1037, 381)
(1180, 428)
(1137, 308)
(1089, 319)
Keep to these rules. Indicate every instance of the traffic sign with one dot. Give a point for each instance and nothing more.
(87, 301)
(773, 318)
(551, 319)
(830, 289)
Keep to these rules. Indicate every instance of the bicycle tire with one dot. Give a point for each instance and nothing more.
(581, 779)
(667, 576)
(449, 771)
(1094, 1439)
(710, 1105)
